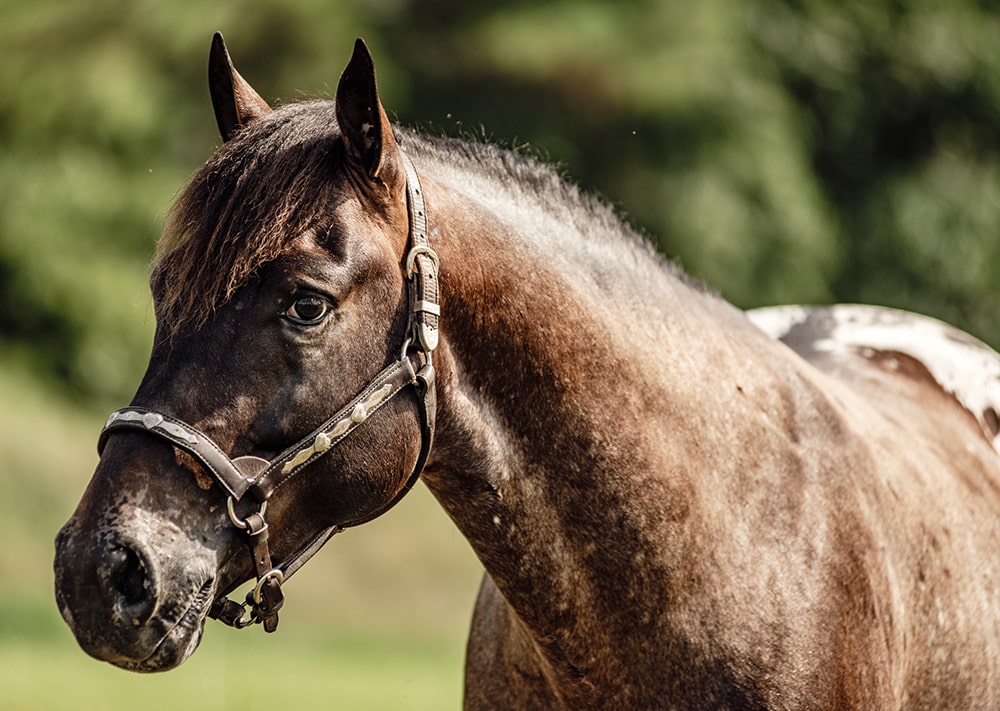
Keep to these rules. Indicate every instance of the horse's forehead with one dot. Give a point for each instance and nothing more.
(962, 365)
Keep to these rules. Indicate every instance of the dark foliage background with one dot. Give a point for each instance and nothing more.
(807, 151)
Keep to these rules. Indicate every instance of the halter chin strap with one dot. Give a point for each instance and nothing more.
(260, 478)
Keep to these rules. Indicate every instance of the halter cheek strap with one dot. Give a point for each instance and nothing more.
(260, 478)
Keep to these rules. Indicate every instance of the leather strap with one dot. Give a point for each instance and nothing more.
(183, 435)
(238, 481)
(267, 597)
(421, 265)
(382, 388)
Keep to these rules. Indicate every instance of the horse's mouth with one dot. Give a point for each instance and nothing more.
(180, 640)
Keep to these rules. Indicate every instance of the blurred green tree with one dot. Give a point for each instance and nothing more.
(784, 151)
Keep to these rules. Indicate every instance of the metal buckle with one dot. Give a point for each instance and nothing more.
(274, 574)
(416, 251)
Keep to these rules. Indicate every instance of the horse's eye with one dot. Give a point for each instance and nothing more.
(307, 310)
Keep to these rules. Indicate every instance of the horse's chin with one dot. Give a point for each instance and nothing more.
(159, 645)
(169, 654)
(177, 645)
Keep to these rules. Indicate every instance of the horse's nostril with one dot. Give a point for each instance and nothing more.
(131, 577)
(129, 584)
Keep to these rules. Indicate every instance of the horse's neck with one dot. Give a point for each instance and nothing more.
(571, 420)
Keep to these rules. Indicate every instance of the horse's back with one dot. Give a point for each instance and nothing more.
(919, 347)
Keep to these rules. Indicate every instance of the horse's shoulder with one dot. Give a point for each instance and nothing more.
(959, 364)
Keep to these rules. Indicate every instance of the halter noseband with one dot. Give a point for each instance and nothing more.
(260, 478)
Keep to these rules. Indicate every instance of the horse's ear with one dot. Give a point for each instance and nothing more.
(235, 102)
(364, 125)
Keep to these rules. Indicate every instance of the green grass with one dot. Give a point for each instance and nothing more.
(240, 671)
(377, 620)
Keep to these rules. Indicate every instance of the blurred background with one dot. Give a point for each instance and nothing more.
(784, 152)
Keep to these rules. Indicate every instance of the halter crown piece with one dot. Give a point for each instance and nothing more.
(260, 478)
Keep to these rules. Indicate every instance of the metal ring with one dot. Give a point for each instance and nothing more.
(415, 252)
(273, 573)
(237, 521)
(406, 347)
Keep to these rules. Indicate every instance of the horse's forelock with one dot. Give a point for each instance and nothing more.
(243, 209)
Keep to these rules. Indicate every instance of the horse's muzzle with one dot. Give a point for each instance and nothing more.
(112, 593)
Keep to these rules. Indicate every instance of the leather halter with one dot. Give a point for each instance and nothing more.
(260, 478)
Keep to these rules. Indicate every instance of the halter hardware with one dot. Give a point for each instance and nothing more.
(236, 520)
(260, 478)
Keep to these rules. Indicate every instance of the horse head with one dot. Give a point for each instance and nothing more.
(295, 305)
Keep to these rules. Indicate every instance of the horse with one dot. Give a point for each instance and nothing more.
(677, 504)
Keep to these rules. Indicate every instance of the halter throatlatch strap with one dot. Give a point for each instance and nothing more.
(260, 478)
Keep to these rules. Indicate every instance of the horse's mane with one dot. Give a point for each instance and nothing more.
(522, 188)
(272, 183)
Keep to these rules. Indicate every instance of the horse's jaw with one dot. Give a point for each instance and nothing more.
(130, 607)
